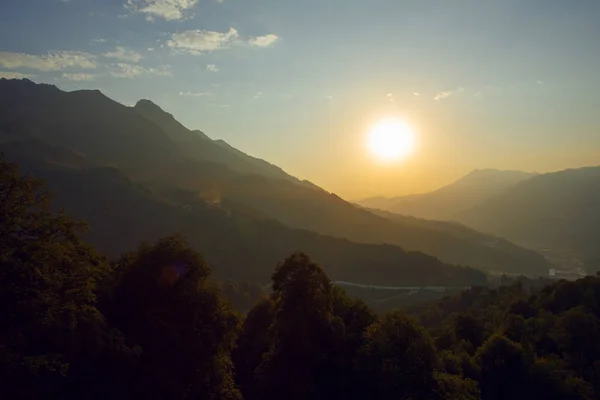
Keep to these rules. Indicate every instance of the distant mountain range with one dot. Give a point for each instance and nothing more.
(556, 212)
(142, 174)
(447, 202)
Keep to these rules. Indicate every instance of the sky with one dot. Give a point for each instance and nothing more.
(511, 84)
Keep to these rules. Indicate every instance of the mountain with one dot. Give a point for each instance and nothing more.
(463, 232)
(198, 146)
(239, 243)
(104, 133)
(556, 211)
(446, 202)
(84, 121)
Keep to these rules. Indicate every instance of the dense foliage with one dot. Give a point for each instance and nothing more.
(153, 325)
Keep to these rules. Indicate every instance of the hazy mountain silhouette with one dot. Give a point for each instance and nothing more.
(557, 210)
(448, 201)
(89, 126)
(463, 232)
(199, 146)
(239, 243)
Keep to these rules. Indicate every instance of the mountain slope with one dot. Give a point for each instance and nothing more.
(239, 244)
(446, 202)
(557, 210)
(163, 165)
(196, 145)
(85, 121)
(463, 232)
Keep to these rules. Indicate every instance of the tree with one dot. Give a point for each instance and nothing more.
(503, 369)
(397, 360)
(52, 335)
(455, 387)
(164, 303)
(252, 344)
(469, 328)
(303, 333)
(576, 335)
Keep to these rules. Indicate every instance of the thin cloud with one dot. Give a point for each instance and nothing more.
(447, 93)
(167, 9)
(48, 62)
(123, 54)
(199, 41)
(212, 68)
(195, 94)
(124, 70)
(258, 95)
(263, 41)
(80, 77)
(14, 75)
(442, 95)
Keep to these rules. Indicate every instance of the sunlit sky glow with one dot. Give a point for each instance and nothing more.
(509, 84)
(391, 140)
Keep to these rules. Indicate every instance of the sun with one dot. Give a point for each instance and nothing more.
(391, 139)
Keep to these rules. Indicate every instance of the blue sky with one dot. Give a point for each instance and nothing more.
(509, 84)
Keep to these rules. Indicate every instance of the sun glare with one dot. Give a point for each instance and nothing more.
(391, 139)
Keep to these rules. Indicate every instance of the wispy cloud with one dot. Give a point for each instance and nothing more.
(442, 95)
(123, 54)
(390, 97)
(168, 9)
(212, 68)
(258, 95)
(447, 93)
(123, 70)
(48, 62)
(14, 75)
(263, 41)
(195, 94)
(79, 77)
(201, 41)
(198, 41)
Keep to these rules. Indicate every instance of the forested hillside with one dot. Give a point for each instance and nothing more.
(151, 324)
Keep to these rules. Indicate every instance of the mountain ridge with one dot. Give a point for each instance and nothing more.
(449, 200)
(163, 166)
(553, 210)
